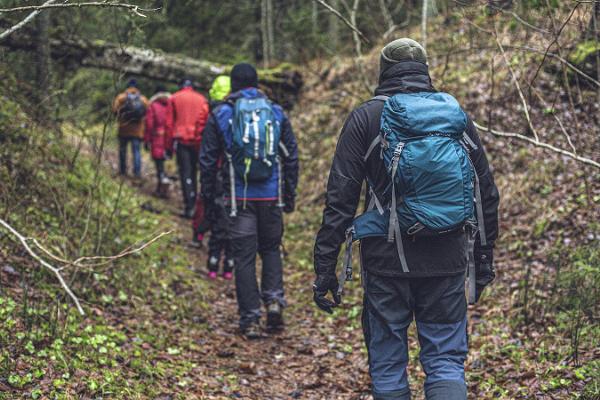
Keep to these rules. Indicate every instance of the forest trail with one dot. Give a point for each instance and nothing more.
(304, 361)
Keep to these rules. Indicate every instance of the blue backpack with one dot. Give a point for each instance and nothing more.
(425, 149)
(254, 151)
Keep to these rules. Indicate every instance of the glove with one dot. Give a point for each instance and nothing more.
(289, 204)
(484, 269)
(169, 153)
(146, 146)
(323, 284)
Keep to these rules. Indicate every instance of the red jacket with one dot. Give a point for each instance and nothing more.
(186, 116)
(156, 125)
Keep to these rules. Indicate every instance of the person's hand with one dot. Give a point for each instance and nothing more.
(146, 146)
(289, 204)
(169, 153)
(323, 284)
(484, 269)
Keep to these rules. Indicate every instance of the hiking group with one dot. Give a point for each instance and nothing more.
(430, 217)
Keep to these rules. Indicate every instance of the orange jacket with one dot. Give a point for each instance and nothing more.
(128, 128)
(187, 113)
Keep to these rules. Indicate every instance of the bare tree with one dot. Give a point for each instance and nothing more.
(424, 12)
(266, 27)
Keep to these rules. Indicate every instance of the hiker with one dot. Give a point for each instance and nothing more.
(416, 227)
(261, 164)
(215, 218)
(155, 138)
(130, 109)
(200, 224)
(186, 116)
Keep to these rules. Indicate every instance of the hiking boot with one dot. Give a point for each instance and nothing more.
(227, 275)
(197, 240)
(274, 316)
(212, 275)
(252, 331)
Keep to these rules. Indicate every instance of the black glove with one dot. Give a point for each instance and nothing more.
(169, 153)
(484, 269)
(146, 146)
(323, 284)
(289, 204)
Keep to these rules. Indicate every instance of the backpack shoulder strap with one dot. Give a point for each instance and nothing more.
(377, 139)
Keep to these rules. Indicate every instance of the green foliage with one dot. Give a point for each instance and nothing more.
(583, 51)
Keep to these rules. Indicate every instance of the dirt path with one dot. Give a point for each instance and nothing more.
(308, 360)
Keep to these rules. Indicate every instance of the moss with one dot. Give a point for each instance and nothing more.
(583, 51)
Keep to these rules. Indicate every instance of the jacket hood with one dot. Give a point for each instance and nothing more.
(163, 97)
(404, 77)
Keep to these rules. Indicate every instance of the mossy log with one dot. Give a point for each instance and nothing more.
(283, 82)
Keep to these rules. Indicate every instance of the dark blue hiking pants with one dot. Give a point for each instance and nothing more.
(439, 307)
(137, 155)
(258, 228)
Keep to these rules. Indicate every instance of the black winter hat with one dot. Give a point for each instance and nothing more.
(243, 75)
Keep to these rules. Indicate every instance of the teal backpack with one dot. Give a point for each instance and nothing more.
(255, 141)
(434, 187)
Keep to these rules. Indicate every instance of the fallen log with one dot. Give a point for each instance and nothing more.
(283, 83)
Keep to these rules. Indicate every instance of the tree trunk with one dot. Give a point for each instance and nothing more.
(424, 12)
(270, 31)
(315, 18)
(334, 27)
(284, 84)
(42, 64)
(266, 27)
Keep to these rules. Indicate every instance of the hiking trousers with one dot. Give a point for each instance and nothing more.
(159, 163)
(187, 166)
(219, 243)
(439, 307)
(137, 155)
(257, 228)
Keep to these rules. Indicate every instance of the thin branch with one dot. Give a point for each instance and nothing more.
(554, 40)
(23, 22)
(543, 145)
(344, 19)
(82, 261)
(102, 4)
(54, 270)
(516, 82)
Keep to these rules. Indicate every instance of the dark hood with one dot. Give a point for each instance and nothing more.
(406, 76)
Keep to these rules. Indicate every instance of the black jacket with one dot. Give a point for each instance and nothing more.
(213, 149)
(432, 256)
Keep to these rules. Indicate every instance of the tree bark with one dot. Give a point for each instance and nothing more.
(334, 28)
(424, 12)
(282, 83)
(42, 65)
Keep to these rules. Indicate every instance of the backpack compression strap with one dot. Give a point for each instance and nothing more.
(469, 145)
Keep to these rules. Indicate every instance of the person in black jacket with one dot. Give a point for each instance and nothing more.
(433, 291)
(257, 225)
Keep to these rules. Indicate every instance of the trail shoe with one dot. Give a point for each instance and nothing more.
(197, 240)
(212, 275)
(252, 331)
(274, 317)
(227, 276)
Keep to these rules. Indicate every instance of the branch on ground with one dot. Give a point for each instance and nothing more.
(93, 261)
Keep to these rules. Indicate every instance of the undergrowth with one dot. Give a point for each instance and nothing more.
(65, 199)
